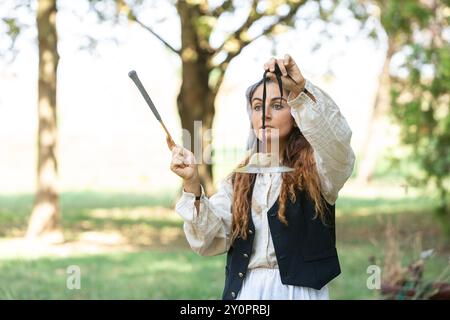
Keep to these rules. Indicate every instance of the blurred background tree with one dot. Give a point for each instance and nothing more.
(45, 214)
(421, 100)
(397, 20)
(418, 102)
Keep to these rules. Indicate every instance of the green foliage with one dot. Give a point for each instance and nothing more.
(398, 16)
(421, 101)
(11, 27)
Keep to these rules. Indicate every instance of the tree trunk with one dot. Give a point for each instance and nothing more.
(374, 143)
(196, 124)
(44, 220)
(196, 99)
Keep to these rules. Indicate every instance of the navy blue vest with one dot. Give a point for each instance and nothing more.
(305, 248)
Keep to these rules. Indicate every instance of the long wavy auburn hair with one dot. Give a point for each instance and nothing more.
(298, 154)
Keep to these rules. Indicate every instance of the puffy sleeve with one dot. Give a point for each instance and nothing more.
(329, 134)
(207, 231)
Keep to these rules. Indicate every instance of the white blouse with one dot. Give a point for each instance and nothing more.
(325, 128)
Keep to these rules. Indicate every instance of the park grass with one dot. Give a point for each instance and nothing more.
(162, 275)
(137, 275)
(76, 207)
(162, 266)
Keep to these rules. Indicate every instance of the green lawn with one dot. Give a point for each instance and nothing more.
(162, 266)
(140, 275)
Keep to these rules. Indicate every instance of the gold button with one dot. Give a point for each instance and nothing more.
(233, 294)
(245, 255)
(241, 274)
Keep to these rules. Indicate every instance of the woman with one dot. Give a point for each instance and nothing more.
(276, 228)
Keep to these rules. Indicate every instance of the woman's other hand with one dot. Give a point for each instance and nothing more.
(291, 77)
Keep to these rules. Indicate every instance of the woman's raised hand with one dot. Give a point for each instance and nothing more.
(183, 163)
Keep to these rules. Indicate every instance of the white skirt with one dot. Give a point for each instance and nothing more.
(265, 284)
